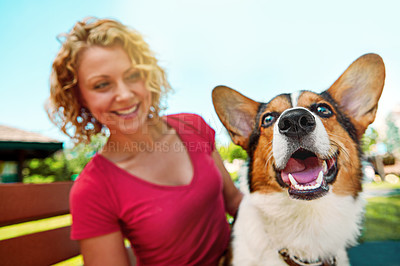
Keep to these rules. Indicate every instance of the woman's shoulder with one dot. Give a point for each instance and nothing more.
(93, 167)
(187, 122)
(185, 117)
(91, 177)
(193, 128)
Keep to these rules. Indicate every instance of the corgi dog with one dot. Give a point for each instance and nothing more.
(302, 204)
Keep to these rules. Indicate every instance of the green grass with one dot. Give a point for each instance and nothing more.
(382, 219)
(382, 216)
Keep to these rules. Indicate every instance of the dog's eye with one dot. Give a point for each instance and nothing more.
(323, 110)
(268, 119)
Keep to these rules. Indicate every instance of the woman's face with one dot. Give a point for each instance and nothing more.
(112, 89)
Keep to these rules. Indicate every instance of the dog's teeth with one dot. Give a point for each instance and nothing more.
(292, 180)
(325, 167)
(320, 178)
(298, 187)
(307, 187)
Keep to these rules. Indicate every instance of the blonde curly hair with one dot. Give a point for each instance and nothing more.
(64, 106)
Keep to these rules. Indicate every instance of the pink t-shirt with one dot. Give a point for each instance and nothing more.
(166, 225)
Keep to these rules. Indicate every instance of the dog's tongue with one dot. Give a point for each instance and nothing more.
(303, 171)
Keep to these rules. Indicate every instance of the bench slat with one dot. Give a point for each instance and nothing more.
(44, 248)
(27, 202)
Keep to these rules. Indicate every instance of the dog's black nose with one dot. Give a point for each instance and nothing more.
(296, 123)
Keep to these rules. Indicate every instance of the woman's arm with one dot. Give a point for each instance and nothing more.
(232, 195)
(105, 250)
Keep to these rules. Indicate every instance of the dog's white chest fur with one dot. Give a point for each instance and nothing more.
(310, 230)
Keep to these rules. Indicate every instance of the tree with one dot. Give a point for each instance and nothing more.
(231, 152)
(392, 139)
(369, 141)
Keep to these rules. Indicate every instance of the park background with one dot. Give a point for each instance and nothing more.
(259, 47)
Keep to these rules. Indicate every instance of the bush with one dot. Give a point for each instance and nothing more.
(63, 165)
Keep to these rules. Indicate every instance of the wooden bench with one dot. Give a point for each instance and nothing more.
(30, 202)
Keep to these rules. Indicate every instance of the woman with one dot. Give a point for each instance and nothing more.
(158, 181)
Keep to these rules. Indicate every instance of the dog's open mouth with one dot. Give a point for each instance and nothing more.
(308, 176)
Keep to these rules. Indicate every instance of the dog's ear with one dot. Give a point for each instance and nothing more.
(358, 89)
(236, 112)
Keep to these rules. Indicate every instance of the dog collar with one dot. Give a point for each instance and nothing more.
(295, 261)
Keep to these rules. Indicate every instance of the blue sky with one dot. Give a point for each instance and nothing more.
(260, 48)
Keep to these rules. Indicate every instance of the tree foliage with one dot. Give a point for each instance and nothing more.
(231, 152)
(392, 139)
(63, 165)
(369, 141)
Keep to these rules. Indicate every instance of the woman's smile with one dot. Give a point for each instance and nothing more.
(128, 112)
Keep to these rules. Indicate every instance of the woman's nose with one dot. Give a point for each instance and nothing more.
(123, 92)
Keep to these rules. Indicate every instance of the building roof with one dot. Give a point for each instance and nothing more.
(14, 134)
(15, 143)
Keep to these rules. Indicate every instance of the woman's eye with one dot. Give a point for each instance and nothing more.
(268, 119)
(134, 76)
(324, 110)
(101, 85)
